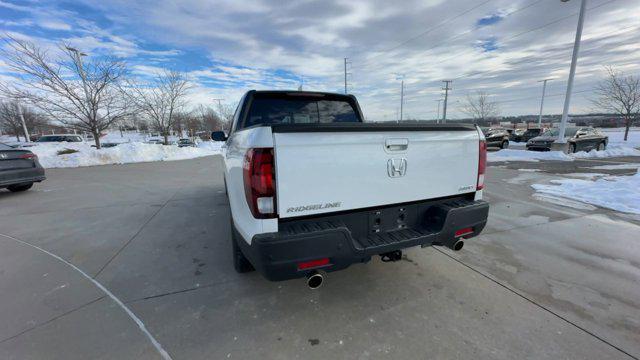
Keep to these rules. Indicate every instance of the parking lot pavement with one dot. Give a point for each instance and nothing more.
(543, 281)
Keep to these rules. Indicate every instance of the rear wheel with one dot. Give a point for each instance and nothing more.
(20, 187)
(240, 262)
(602, 146)
(504, 145)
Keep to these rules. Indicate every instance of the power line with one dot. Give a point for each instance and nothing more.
(381, 52)
(553, 22)
(447, 40)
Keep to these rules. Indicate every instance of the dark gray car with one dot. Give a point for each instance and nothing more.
(19, 169)
(578, 138)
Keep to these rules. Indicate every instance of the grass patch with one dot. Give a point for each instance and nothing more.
(67, 151)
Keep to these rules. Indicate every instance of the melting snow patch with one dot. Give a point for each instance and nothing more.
(564, 202)
(616, 167)
(589, 176)
(620, 193)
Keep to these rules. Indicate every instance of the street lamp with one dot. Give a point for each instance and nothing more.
(83, 76)
(572, 71)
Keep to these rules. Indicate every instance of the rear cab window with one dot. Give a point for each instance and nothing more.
(287, 108)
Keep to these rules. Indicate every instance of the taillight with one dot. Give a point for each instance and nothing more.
(482, 165)
(27, 156)
(313, 264)
(259, 182)
(463, 232)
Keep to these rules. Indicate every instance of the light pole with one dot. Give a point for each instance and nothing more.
(24, 124)
(83, 76)
(401, 77)
(544, 88)
(438, 112)
(572, 71)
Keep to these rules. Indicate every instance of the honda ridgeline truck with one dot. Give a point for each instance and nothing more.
(313, 187)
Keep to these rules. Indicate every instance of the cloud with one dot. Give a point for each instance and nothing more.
(502, 47)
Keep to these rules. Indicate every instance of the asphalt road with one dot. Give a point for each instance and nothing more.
(543, 281)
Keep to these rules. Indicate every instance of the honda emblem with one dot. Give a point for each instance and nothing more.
(396, 167)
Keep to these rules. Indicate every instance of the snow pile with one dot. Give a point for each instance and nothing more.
(132, 152)
(611, 151)
(620, 193)
(616, 137)
(534, 156)
(525, 155)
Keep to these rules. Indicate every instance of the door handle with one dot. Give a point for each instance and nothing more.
(396, 144)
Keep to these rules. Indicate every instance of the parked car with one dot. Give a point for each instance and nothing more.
(578, 139)
(515, 134)
(186, 143)
(155, 141)
(60, 138)
(292, 162)
(19, 169)
(527, 135)
(497, 138)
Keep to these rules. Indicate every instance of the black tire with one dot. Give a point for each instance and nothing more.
(601, 146)
(20, 187)
(572, 148)
(240, 262)
(504, 145)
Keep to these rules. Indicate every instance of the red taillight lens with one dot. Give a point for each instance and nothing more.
(27, 156)
(463, 232)
(259, 182)
(313, 264)
(482, 165)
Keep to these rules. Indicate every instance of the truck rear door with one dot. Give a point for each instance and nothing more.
(338, 167)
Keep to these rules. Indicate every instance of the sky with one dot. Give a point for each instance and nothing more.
(501, 47)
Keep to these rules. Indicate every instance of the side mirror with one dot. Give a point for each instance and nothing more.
(218, 136)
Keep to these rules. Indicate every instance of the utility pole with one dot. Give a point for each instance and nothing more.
(346, 74)
(438, 112)
(572, 72)
(219, 101)
(544, 88)
(401, 97)
(446, 98)
(24, 124)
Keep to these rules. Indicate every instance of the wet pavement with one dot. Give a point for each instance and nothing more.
(543, 281)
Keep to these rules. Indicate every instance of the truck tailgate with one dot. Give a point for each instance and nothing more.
(321, 172)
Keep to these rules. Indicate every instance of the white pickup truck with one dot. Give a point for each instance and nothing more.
(312, 187)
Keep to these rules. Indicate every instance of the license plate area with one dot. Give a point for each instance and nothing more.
(394, 218)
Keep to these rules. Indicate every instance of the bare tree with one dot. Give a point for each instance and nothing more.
(480, 107)
(210, 119)
(83, 96)
(10, 119)
(225, 112)
(620, 94)
(161, 100)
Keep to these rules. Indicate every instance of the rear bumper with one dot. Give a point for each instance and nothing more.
(351, 238)
(21, 176)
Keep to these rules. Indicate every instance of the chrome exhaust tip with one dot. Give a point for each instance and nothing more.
(458, 245)
(314, 280)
